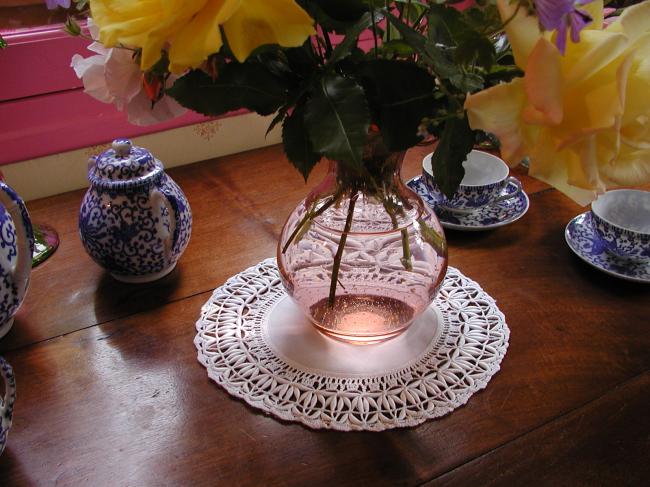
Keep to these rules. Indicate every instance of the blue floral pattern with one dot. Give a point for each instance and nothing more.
(585, 242)
(484, 218)
(6, 403)
(121, 231)
(466, 196)
(12, 291)
(621, 242)
(134, 220)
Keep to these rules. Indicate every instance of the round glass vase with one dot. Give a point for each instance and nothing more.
(363, 256)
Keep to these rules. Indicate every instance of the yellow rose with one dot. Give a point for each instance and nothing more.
(192, 27)
(583, 119)
(259, 22)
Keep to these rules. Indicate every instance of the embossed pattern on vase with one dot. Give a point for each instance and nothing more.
(377, 296)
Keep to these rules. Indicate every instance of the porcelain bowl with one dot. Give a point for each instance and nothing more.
(621, 219)
(484, 182)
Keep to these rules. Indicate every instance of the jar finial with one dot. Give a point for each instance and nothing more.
(122, 147)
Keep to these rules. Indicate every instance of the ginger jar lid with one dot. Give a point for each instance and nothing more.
(124, 166)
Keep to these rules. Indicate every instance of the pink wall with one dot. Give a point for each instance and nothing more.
(43, 109)
(37, 61)
(57, 122)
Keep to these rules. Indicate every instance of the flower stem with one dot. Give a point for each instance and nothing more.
(388, 27)
(339, 251)
(328, 43)
(406, 250)
(309, 216)
(374, 29)
(509, 19)
(406, 247)
(296, 230)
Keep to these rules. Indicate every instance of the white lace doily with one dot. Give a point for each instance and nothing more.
(256, 344)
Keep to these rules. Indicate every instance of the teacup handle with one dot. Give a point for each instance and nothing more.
(159, 200)
(7, 403)
(507, 196)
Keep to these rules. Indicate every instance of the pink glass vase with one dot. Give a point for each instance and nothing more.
(363, 256)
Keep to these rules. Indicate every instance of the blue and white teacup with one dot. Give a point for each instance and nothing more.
(6, 402)
(621, 219)
(485, 181)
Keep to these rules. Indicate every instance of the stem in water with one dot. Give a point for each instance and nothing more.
(339, 251)
(406, 247)
(406, 250)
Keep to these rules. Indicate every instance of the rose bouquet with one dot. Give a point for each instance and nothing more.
(572, 99)
(581, 110)
(357, 82)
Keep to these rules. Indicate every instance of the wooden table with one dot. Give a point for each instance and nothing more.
(110, 392)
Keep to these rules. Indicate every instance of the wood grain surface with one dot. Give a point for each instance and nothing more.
(110, 391)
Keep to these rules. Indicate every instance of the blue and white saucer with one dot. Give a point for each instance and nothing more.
(484, 218)
(586, 244)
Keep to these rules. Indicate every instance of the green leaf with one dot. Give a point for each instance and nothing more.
(71, 27)
(398, 47)
(375, 3)
(334, 15)
(161, 66)
(440, 60)
(450, 27)
(337, 119)
(474, 48)
(248, 85)
(398, 109)
(432, 54)
(351, 36)
(443, 23)
(467, 82)
(499, 74)
(455, 143)
(297, 145)
(3, 43)
(279, 117)
(410, 35)
(485, 19)
(301, 60)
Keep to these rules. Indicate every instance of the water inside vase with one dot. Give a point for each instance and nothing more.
(362, 318)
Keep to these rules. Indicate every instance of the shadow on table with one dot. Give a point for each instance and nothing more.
(381, 456)
(491, 239)
(384, 456)
(19, 332)
(466, 239)
(612, 284)
(11, 470)
(114, 299)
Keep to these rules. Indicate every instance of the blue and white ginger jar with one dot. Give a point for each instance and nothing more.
(134, 221)
(16, 248)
